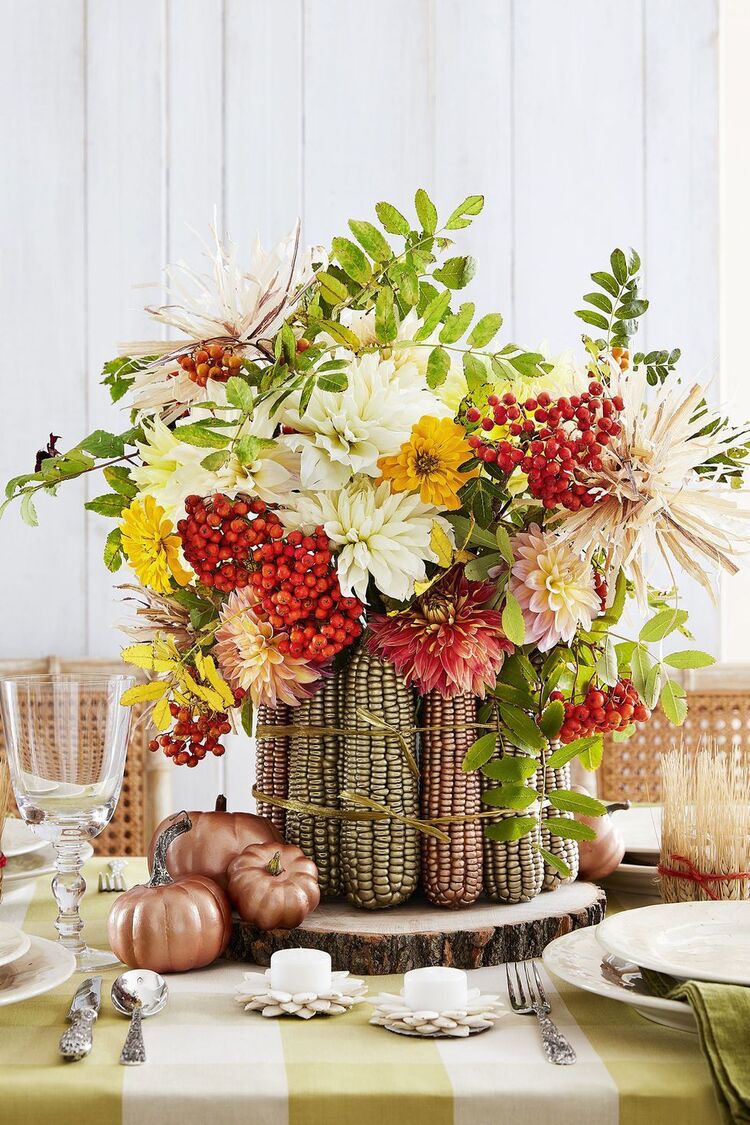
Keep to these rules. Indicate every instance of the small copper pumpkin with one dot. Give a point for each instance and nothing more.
(170, 925)
(600, 857)
(274, 886)
(216, 838)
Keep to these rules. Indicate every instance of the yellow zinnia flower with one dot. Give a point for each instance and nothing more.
(429, 462)
(152, 547)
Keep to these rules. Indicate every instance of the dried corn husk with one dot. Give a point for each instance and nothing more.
(271, 768)
(513, 870)
(315, 778)
(451, 873)
(567, 850)
(379, 859)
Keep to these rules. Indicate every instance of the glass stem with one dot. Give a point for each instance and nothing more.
(68, 887)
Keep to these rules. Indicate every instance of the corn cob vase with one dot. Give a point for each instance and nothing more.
(567, 850)
(513, 869)
(379, 858)
(315, 778)
(271, 771)
(452, 872)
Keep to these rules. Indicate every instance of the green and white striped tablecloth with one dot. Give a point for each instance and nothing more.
(211, 1063)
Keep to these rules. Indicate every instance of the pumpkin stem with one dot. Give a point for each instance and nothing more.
(273, 867)
(180, 823)
(221, 803)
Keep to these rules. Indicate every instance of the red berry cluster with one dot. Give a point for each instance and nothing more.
(210, 361)
(601, 588)
(233, 544)
(602, 710)
(220, 535)
(555, 440)
(195, 733)
(298, 587)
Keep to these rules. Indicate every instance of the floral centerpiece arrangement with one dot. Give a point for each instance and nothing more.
(345, 496)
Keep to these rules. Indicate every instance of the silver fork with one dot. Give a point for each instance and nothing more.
(533, 1000)
(114, 881)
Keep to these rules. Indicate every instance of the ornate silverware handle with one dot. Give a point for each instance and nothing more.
(77, 1040)
(133, 1049)
(557, 1049)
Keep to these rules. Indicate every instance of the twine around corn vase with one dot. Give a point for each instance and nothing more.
(548, 780)
(451, 872)
(379, 858)
(513, 869)
(314, 777)
(271, 763)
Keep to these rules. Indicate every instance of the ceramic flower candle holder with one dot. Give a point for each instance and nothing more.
(481, 1012)
(257, 994)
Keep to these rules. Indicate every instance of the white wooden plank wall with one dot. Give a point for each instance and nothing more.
(126, 122)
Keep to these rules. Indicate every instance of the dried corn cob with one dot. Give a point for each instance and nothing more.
(513, 870)
(567, 850)
(379, 858)
(314, 777)
(451, 873)
(271, 763)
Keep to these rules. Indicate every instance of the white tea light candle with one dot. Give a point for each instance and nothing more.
(436, 989)
(301, 970)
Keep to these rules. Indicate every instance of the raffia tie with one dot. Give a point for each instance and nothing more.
(703, 879)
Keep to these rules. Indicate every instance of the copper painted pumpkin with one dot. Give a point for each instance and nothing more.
(216, 838)
(600, 857)
(274, 886)
(170, 925)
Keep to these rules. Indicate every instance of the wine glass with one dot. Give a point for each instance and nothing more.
(67, 738)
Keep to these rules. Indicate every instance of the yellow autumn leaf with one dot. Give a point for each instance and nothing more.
(441, 545)
(208, 695)
(144, 656)
(198, 661)
(143, 693)
(161, 716)
(212, 674)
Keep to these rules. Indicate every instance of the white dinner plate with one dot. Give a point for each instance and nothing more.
(578, 959)
(13, 943)
(640, 827)
(687, 940)
(19, 839)
(45, 965)
(633, 879)
(36, 863)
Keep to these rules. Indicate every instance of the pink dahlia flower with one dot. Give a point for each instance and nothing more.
(249, 656)
(554, 586)
(447, 641)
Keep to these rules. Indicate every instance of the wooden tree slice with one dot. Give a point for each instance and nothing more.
(417, 933)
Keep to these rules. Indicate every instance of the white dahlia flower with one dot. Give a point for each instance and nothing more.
(375, 533)
(343, 433)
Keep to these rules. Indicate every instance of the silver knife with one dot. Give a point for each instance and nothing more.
(76, 1041)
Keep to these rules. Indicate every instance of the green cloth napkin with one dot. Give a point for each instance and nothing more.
(722, 1012)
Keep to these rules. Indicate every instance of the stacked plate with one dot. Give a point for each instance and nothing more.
(27, 855)
(708, 941)
(640, 827)
(30, 966)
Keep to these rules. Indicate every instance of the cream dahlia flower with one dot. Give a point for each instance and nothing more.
(345, 433)
(248, 654)
(648, 495)
(172, 469)
(375, 533)
(554, 587)
(238, 308)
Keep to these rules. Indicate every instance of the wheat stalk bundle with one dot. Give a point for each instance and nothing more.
(705, 844)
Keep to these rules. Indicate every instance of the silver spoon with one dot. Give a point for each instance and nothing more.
(138, 993)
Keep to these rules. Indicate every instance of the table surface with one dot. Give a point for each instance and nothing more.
(211, 1062)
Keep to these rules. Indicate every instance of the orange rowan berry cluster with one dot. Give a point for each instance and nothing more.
(210, 361)
(195, 733)
(602, 710)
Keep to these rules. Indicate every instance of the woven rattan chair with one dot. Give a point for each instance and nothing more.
(718, 708)
(145, 795)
